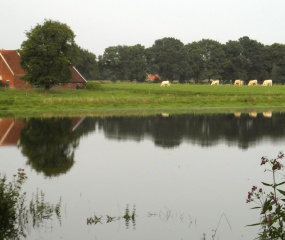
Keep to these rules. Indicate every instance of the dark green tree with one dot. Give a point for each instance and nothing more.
(258, 65)
(277, 57)
(214, 58)
(109, 63)
(48, 53)
(124, 63)
(87, 64)
(168, 56)
(136, 62)
(235, 65)
(193, 53)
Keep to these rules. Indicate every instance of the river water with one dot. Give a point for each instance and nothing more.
(180, 177)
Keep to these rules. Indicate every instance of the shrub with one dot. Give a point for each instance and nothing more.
(93, 86)
(14, 212)
(272, 204)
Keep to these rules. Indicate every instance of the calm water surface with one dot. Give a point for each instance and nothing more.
(183, 176)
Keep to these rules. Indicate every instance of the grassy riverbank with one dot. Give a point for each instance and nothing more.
(142, 97)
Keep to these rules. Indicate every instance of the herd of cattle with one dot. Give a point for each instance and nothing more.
(237, 82)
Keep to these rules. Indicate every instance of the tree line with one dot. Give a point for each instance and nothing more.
(50, 50)
(244, 59)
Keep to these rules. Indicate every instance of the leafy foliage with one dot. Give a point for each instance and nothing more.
(123, 63)
(244, 59)
(271, 205)
(14, 212)
(168, 55)
(87, 64)
(93, 86)
(48, 53)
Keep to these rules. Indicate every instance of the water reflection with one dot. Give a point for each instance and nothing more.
(137, 160)
(204, 130)
(49, 143)
(128, 217)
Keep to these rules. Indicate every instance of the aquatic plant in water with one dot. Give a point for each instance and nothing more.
(15, 215)
(271, 204)
(127, 216)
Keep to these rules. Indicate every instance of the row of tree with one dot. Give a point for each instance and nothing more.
(244, 59)
(50, 50)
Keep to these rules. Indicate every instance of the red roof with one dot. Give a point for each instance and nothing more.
(76, 76)
(12, 59)
(153, 77)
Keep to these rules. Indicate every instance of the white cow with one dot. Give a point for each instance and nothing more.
(215, 82)
(252, 82)
(238, 82)
(165, 83)
(267, 82)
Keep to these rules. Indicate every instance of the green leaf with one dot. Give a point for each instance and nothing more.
(255, 224)
(266, 184)
(266, 206)
(281, 191)
(255, 207)
(278, 184)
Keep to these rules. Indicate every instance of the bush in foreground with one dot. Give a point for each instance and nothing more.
(272, 204)
(15, 214)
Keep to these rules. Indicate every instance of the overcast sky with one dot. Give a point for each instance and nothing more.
(101, 24)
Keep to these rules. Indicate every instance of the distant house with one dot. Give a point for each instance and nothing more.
(11, 72)
(152, 77)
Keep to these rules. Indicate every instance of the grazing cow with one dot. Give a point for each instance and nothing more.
(165, 83)
(215, 82)
(267, 82)
(238, 82)
(252, 82)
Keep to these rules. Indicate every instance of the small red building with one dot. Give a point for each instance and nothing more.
(152, 77)
(11, 72)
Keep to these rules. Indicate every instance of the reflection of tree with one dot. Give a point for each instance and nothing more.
(49, 145)
(202, 129)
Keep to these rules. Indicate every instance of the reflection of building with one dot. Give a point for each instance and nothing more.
(10, 130)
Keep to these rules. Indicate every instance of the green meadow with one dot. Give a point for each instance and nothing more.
(128, 98)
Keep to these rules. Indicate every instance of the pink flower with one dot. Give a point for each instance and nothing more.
(253, 188)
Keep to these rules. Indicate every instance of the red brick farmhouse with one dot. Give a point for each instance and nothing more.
(11, 72)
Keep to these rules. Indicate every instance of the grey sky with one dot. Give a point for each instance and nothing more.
(101, 24)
